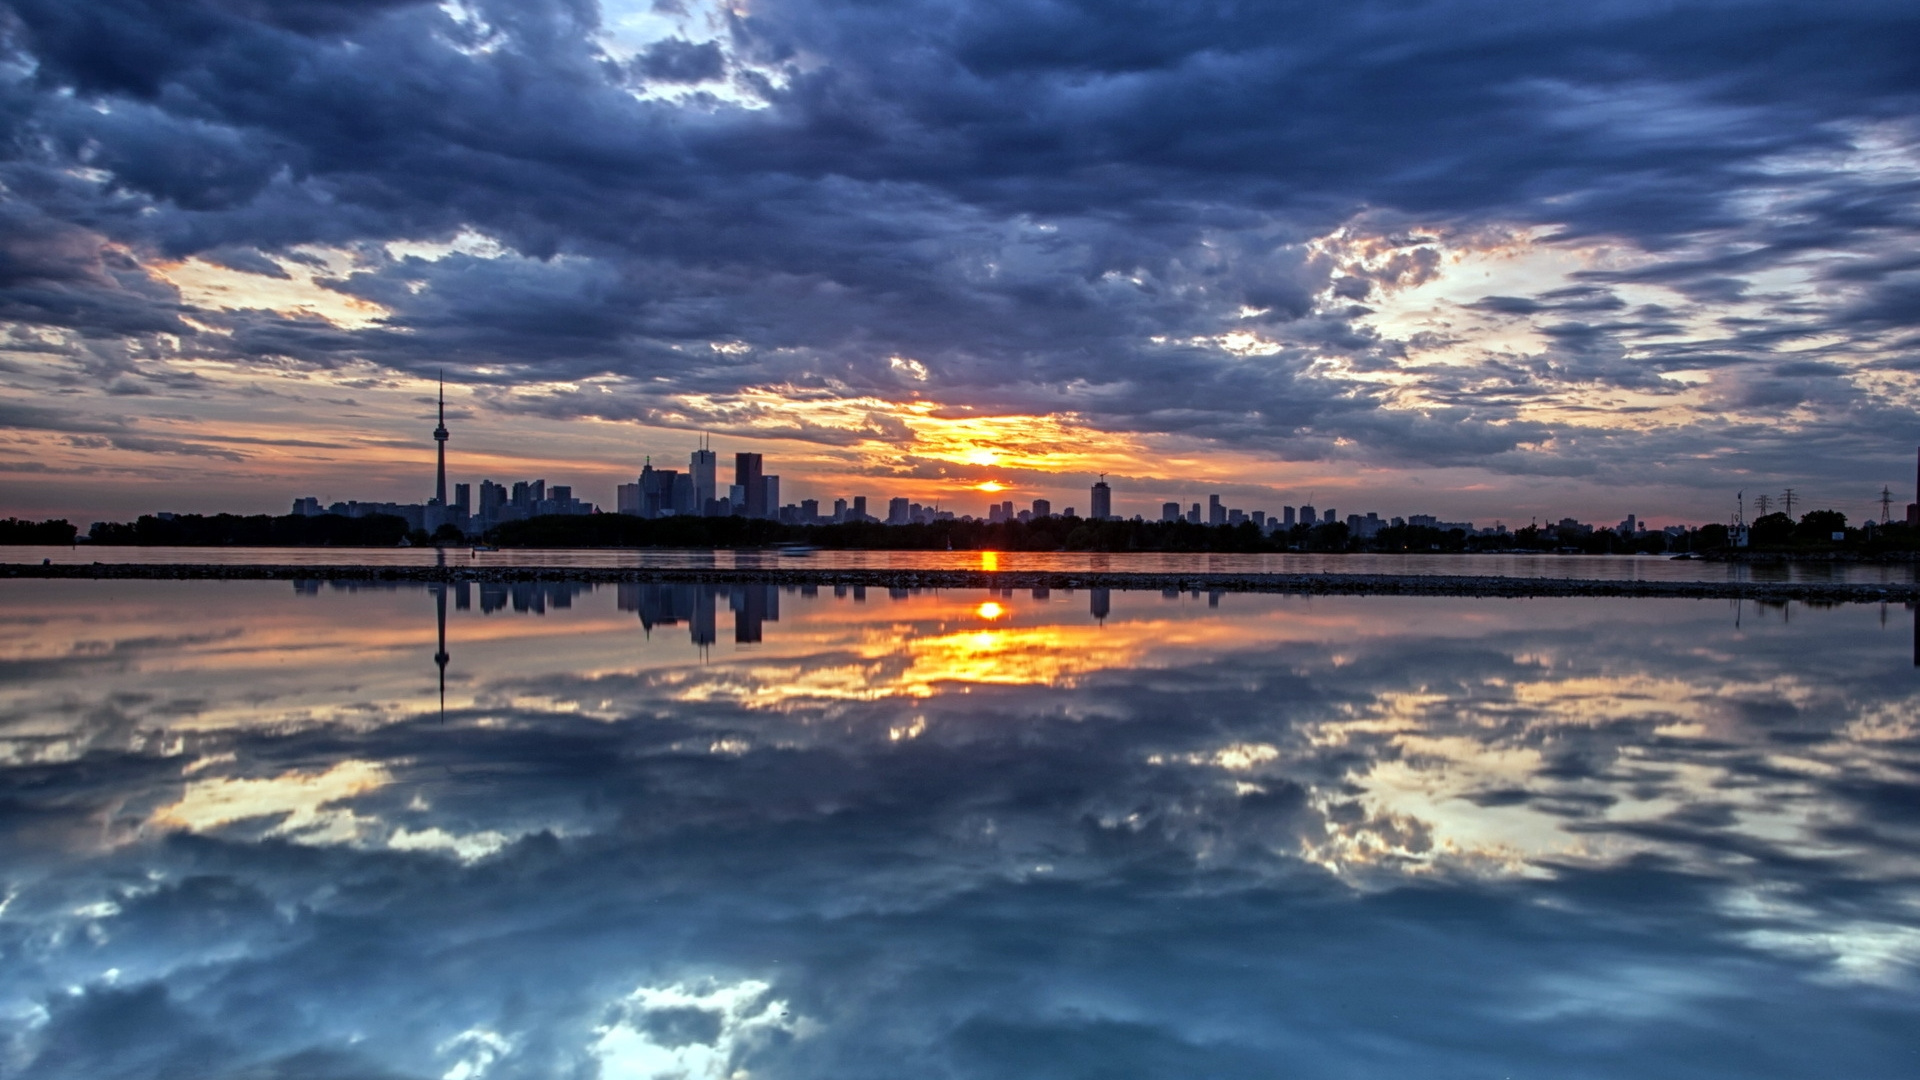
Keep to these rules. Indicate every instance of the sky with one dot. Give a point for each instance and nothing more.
(1481, 260)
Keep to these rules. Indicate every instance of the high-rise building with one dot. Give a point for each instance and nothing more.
(1308, 515)
(1216, 513)
(1193, 514)
(1287, 516)
(1329, 517)
(1170, 511)
(747, 476)
(462, 503)
(771, 498)
(809, 511)
(1102, 500)
(1042, 508)
(859, 508)
(307, 507)
(839, 511)
(704, 467)
(440, 441)
(493, 500)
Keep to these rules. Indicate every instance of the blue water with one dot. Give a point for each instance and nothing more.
(716, 831)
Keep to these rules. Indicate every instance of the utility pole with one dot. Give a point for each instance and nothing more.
(1787, 497)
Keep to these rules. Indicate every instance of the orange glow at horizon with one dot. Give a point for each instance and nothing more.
(990, 485)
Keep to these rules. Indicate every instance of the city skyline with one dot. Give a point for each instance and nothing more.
(1592, 262)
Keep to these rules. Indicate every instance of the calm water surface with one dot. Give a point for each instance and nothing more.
(715, 832)
(1591, 567)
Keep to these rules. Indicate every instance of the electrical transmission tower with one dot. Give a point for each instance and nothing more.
(1787, 498)
(1760, 505)
(1886, 506)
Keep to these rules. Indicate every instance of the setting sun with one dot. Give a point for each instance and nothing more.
(990, 485)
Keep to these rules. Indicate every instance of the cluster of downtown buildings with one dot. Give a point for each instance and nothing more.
(697, 492)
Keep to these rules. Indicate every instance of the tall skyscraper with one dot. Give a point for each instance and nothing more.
(1170, 511)
(747, 475)
(704, 466)
(898, 512)
(440, 439)
(1042, 508)
(859, 510)
(1308, 516)
(1102, 500)
(1216, 513)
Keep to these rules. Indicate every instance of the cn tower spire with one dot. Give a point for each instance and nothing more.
(440, 438)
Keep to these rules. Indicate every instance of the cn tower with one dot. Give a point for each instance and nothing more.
(440, 438)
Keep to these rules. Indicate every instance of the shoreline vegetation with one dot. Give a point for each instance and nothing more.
(1820, 535)
(909, 580)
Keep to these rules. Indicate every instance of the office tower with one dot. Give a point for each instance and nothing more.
(1102, 500)
(704, 466)
(627, 500)
(681, 498)
(1308, 515)
(898, 511)
(308, 507)
(747, 476)
(809, 511)
(859, 508)
(1235, 517)
(771, 497)
(462, 503)
(839, 511)
(1170, 511)
(440, 440)
(1042, 508)
(1287, 516)
(493, 499)
(1193, 514)
(1024, 517)
(1329, 517)
(1260, 519)
(995, 513)
(1006, 510)
(1216, 513)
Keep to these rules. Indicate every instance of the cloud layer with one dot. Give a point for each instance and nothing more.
(1621, 242)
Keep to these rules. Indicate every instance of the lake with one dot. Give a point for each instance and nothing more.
(1584, 567)
(506, 830)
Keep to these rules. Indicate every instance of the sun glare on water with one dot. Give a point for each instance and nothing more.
(989, 610)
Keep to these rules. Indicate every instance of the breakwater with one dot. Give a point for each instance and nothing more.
(1319, 584)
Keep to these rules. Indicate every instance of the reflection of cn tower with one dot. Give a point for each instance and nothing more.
(440, 658)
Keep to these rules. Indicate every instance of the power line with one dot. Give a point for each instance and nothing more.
(1787, 497)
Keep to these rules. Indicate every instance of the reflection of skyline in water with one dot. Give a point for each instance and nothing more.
(1006, 833)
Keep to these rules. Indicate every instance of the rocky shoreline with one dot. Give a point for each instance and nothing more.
(1315, 584)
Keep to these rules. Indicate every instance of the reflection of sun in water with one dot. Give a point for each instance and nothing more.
(989, 610)
(989, 560)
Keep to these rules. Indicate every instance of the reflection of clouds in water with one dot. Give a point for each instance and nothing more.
(679, 1032)
(1568, 832)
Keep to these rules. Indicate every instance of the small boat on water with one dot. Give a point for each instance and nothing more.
(795, 549)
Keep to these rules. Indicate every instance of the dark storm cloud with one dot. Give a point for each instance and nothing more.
(1021, 196)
